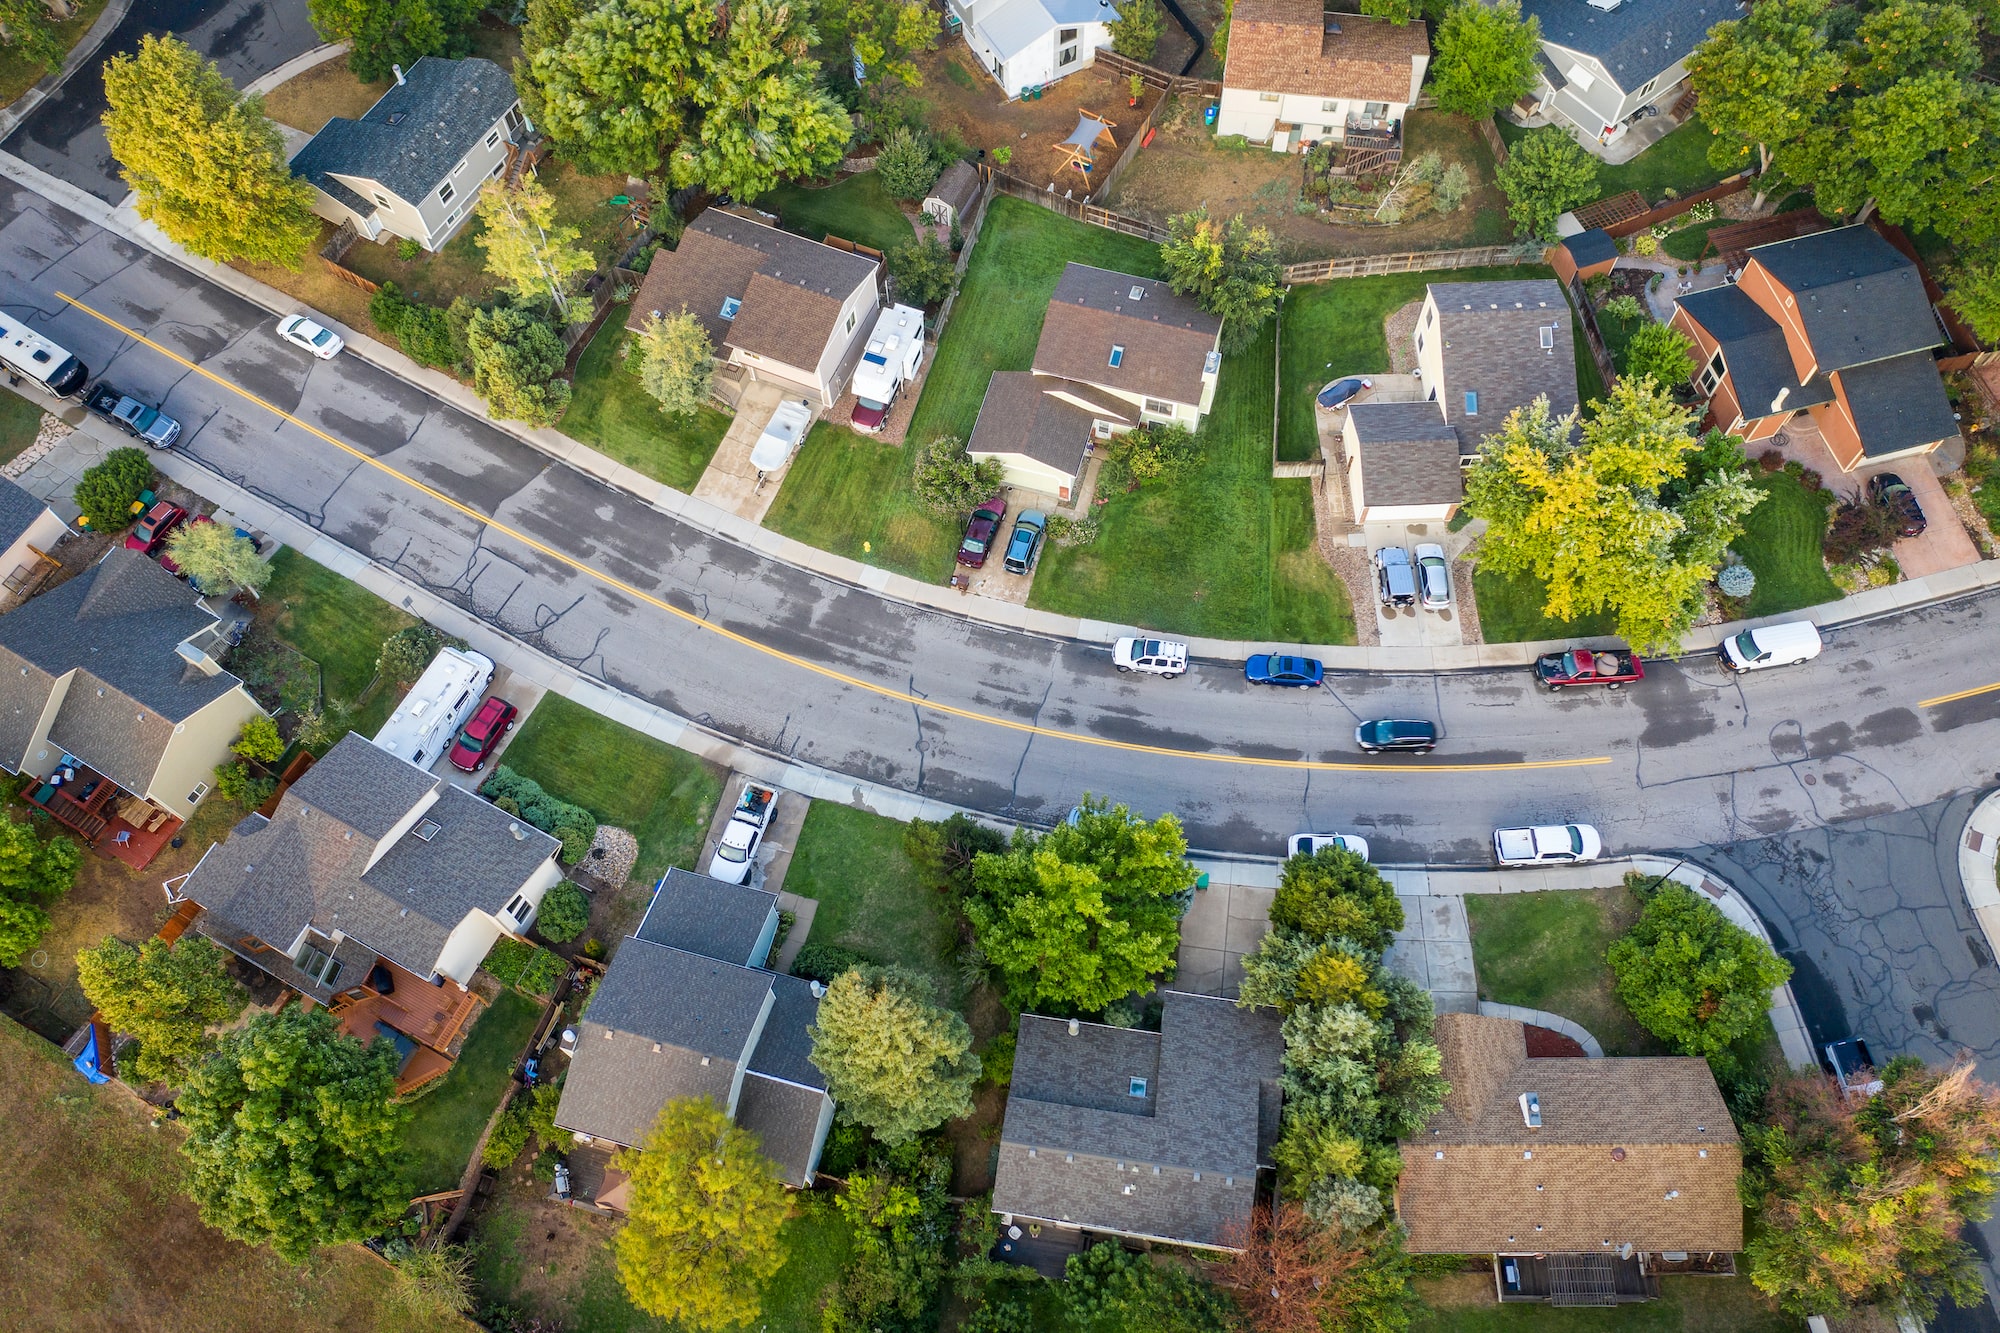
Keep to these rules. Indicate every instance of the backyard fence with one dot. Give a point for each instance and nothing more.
(1132, 146)
(1489, 132)
(1157, 78)
(968, 235)
(1592, 338)
(1673, 208)
(1363, 266)
(604, 299)
(337, 245)
(1074, 208)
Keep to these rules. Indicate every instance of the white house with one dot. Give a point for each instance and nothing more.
(1297, 74)
(1402, 463)
(29, 531)
(1022, 43)
(778, 305)
(413, 164)
(1602, 60)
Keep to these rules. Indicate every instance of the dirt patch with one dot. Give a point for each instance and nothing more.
(307, 101)
(1468, 601)
(1400, 329)
(542, 1248)
(975, 1143)
(1457, 1291)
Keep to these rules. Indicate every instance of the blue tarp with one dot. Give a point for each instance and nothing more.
(87, 1062)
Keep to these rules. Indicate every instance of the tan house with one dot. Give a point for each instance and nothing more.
(112, 692)
(29, 531)
(1402, 463)
(1832, 328)
(777, 306)
(414, 163)
(1486, 348)
(1584, 1178)
(1297, 74)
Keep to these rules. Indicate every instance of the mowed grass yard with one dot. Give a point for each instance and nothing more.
(1686, 1305)
(855, 209)
(870, 897)
(446, 1123)
(1546, 951)
(1678, 162)
(610, 412)
(20, 421)
(662, 795)
(103, 1238)
(339, 624)
(1781, 544)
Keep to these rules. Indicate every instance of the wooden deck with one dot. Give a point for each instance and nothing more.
(109, 821)
(432, 1016)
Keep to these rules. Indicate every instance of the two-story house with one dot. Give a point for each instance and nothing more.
(112, 693)
(1297, 74)
(1831, 330)
(1115, 352)
(1027, 43)
(776, 306)
(376, 890)
(1602, 60)
(414, 163)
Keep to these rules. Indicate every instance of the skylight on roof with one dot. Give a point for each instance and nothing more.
(1137, 293)
(1137, 1087)
(1117, 354)
(1548, 336)
(1471, 403)
(427, 829)
(730, 305)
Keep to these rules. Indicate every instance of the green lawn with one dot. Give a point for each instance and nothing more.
(339, 624)
(610, 412)
(1686, 1305)
(1546, 951)
(1678, 162)
(18, 73)
(850, 494)
(1781, 544)
(1335, 328)
(662, 795)
(1510, 611)
(817, 1243)
(856, 209)
(446, 1123)
(19, 422)
(1687, 244)
(871, 899)
(1208, 554)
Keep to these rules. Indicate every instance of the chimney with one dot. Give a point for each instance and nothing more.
(1778, 403)
(1531, 1109)
(399, 74)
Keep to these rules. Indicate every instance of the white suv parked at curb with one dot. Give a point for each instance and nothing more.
(1155, 657)
(1547, 845)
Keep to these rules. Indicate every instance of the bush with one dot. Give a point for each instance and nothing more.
(924, 272)
(1736, 581)
(573, 825)
(906, 164)
(1858, 527)
(1625, 307)
(565, 912)
(528, 969)
(260, 741)
(948, 481)
(1068, 531)
(1690, 976)
(407, 652)
(1453, 184)
(235, 782)
(407, 250)
(1136, 31)
(1156, 453)
(509, 1136)
(423, 331)
(517, 366)
(107, 492)
(1644, 244)
(1770, 460)
(823, 962)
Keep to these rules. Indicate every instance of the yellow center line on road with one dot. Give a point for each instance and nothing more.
(883, 691)
(1962, 694)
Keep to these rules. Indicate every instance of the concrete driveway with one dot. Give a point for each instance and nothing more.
(731, 480)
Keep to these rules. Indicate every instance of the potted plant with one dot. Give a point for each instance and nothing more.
(1136, 85)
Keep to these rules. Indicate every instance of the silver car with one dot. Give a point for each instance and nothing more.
(1395, 581)
(1433, 577)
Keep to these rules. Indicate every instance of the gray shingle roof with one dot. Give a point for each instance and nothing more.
(1167, 338)
(1409, 454)
(1179, 1163)
(1858, 297)
(1898, 404)
(958, 187)
(1492, 348)
(1754, 351)
(1591, 247)
(18, 511)
(708, 917)
(1635, 41)
(786, 1120)
(363, 786)
(785, 1049)
(416, 132)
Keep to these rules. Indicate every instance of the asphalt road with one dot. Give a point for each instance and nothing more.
(1693, 756)
(64, 136)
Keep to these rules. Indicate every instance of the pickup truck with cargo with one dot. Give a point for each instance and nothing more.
(132, 416)
(736, 850)
(1584, 666)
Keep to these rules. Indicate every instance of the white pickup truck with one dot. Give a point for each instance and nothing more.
(736, 850)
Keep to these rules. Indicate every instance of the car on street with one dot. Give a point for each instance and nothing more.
(980, 531)
(132, 416)
(477, 739)
(1397, 733)
(1395, 580)
(1433, 577)
(150, 533)
(1025, 546)
(1789, 644)
(1586, 666)
(1154, 657)
(1293, 672)
(1305, 844)
(1853, 1068)
(1894, 494)
(1547, 845)
(307, 336)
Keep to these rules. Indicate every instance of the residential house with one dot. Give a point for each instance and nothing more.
(1402, 463)
(1297, 74)
(414, 163)
(1028, 43)
(688, 1008)
(1584, 1178)
(777, 306)
(1041, 429)
(1831, 330)
(1155, 1136)
(1486, 348)
(29, 530)
(1602, 60)
(112, 692)
(377, 890)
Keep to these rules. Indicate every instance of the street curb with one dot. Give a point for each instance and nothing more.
(1978, 849)
(1542, 1018)
(296, 66)
(86, 47)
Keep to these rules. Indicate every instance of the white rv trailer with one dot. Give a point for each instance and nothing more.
(422, 726)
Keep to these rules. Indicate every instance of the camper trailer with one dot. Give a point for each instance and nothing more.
(436, 707)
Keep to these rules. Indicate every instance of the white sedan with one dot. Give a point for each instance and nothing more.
(1305, 844)
(307, 336)
(1547, 845)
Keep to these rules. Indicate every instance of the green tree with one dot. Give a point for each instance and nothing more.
(701, 1237)
(1485, 57)
(235, 783)
(564, 912)
(405, 653)
(1546, 174)
(1231, 270)
(295, 1139)
(1086, 914)
(526, 248)
(616, 92)
(675, 361)
(259, 740)
(1109, 1289)
(26, 27)
(384, 33)
(1587, 518)
(765, 118)
(1690, 976)
(907, 163)
(923, 271)
(206, 163)
(168, 998)
(22, 926)
(1332, 893)
(517, 365)
(1974, 292)
(1765, 78)
(894, 1059)
(1135, 33)
(216, 558)
(1661, 352)
(33, 874)
(1400, 12)
(948, 481)
(883, 34)
(547, 24)
(107, 491)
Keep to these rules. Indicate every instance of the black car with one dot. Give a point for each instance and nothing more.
(1894, 494)
(1397, 734)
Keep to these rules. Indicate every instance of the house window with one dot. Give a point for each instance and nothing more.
(445, 192)
(498, 167)
(1100, 430)
(492, 138)
(1712, 373)
(1376, 111)
(1137, 1088)
(200, 790)
(730, 305)
(1471, 403)
(383, 200)
(316, 962)
(1647, 91)
(1066, 36)
(1330, 107)
(1066, 56)
(518, 909)
(1117, 355)
(1420, 344)
(1159, 408)
(1267, 97)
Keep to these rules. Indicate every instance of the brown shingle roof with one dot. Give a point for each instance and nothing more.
(1167, 338)
(1492, 348)
(1630, 1150)
(1281, 46)
(1021, 415)
(1409, 454)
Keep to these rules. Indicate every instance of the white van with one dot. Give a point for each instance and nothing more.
(436, 706)
(1772, 646)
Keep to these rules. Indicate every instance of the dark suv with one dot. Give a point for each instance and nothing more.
(1395, 580)
(1894, 494)
(1412, 734)
(981, 533)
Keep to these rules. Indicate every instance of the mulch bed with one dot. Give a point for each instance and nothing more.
(1546, 1043)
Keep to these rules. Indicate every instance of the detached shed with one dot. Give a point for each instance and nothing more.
(1584, 255)
(955, 197)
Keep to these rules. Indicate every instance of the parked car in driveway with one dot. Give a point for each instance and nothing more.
(736, 849)
(1894, 494)
(1394, 733)
(477, 739)
(1154, 657)
(1585, 666)
(150, 533)
(1025, 546)
(1294, 672)
(981, 530)
(1305, 844)
(307, 336)
(1433, 577)
(1547, 844)
(1395, 580)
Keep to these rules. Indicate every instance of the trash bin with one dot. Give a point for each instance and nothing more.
(1201, 880)
(1208, 115)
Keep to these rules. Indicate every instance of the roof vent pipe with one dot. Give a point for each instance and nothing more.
(399, 74)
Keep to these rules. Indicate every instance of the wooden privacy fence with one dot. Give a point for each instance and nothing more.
(337, 245)
(1593, 339)
(1074, 208)
(1487, 131)
(1363, 266)
(968, 236)
(1673, 208)
(603, 300)
(1157, 78)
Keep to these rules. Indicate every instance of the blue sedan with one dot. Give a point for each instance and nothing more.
(1271, 669)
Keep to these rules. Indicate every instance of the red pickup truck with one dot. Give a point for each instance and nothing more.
(1585, 666)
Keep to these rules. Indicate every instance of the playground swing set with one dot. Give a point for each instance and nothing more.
(1080, 149)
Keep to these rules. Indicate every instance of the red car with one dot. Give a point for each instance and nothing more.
(494, 719)
(167, 561)
(151, 533)
(1581, 666)
(981, 532)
